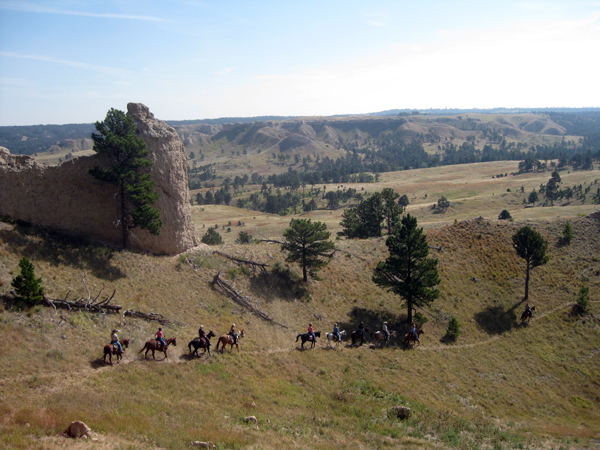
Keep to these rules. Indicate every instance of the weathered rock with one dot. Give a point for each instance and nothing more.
(401, 412)
(203, 444)
(78, 429)
(67, 198)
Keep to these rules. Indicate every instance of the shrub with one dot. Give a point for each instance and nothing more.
(567, 234)
(453, 330)
(28, 288)
(421, 319)
(212, 237)
(244, 238)
(504, 215)
(583, 300)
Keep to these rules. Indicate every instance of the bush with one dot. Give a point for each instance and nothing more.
(583, 300)
(421, 319)
(453, 330)
(504, 215)
(212, 237)
(567, 235)
(28, 288)
(244, 238)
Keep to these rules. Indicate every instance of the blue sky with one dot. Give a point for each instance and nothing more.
(70, 61)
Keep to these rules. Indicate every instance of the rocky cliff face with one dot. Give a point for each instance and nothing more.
(69, 199)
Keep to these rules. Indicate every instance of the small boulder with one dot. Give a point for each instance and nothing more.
(203, 444)
(251, 419)
(78, 429)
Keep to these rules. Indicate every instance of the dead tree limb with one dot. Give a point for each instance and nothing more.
(241, 300)
(253, 264)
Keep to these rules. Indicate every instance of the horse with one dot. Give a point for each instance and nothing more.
(306, 337)
(527, 315)
(333, 338)
(410, 337)
(381, 339)
(110, 349)
(201, 343)
(225, 339)
(154, 345)
(358, 336)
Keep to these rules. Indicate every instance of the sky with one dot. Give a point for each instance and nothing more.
(69, 61)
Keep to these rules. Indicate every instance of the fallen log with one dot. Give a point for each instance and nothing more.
(153, 317)
(253, 264)
(241, 299)
(83, 304)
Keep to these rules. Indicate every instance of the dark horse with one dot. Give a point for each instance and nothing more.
(306, 337)
(225, 339)
(201, 343)
(154, 345)
(410, 337)
(110, 350)
(358, 336)
(527, 315)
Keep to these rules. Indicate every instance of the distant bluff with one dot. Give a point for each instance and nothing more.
(68, 199)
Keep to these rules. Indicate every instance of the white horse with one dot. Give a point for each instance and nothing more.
(380, 338)
(332, 338)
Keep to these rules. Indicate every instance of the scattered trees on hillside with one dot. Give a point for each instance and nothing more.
(28, 288)
(532, 247)
(408, 271)
(135, 189)
(442, 204)
(307, 243)
(365, 219)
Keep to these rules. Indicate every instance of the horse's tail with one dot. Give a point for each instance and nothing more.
(298, 337)
(143, 348)
(218, 342)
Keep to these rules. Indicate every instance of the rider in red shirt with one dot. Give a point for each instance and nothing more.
(311, 332)
(160, 338)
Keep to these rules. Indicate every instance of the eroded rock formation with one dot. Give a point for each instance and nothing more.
(67, 198)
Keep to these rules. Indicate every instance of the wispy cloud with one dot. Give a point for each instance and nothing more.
(225, 71)
(376, 24)
(42, 9)
(79, 65)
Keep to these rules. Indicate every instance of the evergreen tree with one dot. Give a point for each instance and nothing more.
(504, 215)
(403, 201)
(533, 197)
(532, 247)
(453, 329)
(364, 220)
(307, 243)
(391, 209)
(136, 190)
(567, 235)
(28, 288)
(408, 271)
(212, 237)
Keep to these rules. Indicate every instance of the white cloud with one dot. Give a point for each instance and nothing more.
(79, 65)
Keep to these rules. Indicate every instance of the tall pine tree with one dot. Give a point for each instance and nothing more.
(135, 189)
(532, 247)
(28, 288)
(408, 271)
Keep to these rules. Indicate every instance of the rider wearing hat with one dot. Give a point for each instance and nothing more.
(385, 331)
(114, 340)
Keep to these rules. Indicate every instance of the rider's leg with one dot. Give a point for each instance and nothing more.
(120, 348)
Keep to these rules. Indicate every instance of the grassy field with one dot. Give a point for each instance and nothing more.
(501, 385)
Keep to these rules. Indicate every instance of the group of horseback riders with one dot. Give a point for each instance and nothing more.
(337, 337)
(160, 338)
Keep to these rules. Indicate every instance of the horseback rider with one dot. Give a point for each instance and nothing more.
(202, 334)
(233, 333)
(385, 331)
(114, 340)
(361, 330)
(414, 332)
(336, 333)
(528, 310)
(160, 338)
(311, 333)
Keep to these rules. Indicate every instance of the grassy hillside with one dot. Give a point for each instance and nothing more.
(501, 385)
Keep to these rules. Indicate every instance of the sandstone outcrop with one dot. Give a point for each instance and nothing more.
(68, 199)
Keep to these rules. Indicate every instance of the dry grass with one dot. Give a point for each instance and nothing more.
(500, 385)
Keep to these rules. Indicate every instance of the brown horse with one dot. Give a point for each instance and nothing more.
(228, 339)
(380, 338)
(410, 337)
(110, 350)
(358, 336)
(201, 343)
(154, 345)
(527, 315)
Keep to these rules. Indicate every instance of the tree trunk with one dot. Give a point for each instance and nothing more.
(527, 282)
(124, 219)
(409, 316)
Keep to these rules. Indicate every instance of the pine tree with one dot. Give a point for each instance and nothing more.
(307, 243)
(28, 288)
(567, 235)
(532, 247)
(408, 271)
(136, 190)
(212, 237)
